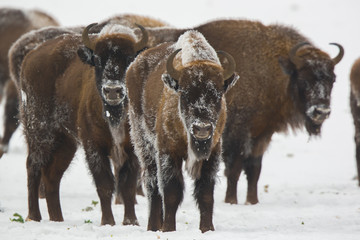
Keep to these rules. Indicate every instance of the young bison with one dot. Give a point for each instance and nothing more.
(13, 24)
(355, 108)
(66, 102)
(177, 113)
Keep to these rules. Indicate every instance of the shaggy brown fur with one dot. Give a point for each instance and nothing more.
(167, 113)
(63, 103)
(355, 108)
(275, 91)
(13, 24)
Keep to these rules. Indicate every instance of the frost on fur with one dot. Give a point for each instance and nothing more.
(195, 47)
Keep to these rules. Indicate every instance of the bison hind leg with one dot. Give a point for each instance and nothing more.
(62, 155)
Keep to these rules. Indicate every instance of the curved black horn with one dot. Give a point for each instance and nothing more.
(144, 39)
(292, 53)
(170, 67)
(85, 37)
(338, 58)
(230, 69)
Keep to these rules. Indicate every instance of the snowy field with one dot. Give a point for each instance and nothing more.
(310, 188)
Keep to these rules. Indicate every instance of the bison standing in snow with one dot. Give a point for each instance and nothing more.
(355, 108)
(285, 82)
(177, 112)
(13, 24)
(66, 102)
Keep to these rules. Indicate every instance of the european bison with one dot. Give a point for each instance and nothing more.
(355, 108)
(13, 24)
(177, 112)
(285, 83)
(65, 102)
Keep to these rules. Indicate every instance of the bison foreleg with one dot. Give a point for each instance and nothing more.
(233, 166)
(127, 184)
(358, 160)
(252, 170)
(171, 184)
(204, 190)
(155, 220)
(11, 113)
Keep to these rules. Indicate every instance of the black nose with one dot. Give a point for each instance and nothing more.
(113, 92)
(202, 131)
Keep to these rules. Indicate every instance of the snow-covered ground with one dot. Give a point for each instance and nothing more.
(310, 193)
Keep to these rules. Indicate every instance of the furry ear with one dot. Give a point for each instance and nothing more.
(230, 82)
(286, 66)
(86, 55)
(170, 82)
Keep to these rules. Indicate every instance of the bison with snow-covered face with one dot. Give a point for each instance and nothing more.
(311, 72)
(177, 113)
(355, 108)
(13, 24)
(64, 102)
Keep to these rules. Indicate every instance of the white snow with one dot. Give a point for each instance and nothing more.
(306, 189)
(195, 47)
(115, 28)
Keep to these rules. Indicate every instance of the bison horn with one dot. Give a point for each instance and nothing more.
(230, 69)
(85, 37)
(338, 58)
(170, 67)
(292, 54)
(144, 40)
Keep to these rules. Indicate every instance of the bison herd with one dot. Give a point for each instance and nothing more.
(149, 98)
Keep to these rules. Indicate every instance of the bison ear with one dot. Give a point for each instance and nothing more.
(230, 82)
(170, 82)
(86, 55)
(286, 66)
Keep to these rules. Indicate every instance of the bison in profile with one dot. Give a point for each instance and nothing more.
(13, 24)
(355, 108)
(65, 102)
(286, 82)
(177, 111)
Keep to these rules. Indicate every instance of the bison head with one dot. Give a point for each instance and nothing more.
(201, 86)
(312, 77)
(110, 54)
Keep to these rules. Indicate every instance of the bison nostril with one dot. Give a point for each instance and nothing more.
(113, 93)
(319, 114)
(322, 111)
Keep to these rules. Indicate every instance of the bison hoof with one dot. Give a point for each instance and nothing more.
(110, 222)
(131, 222)
(118, 200)
(248, 202)
(30, 219)
(208, 228)
(231, 200)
